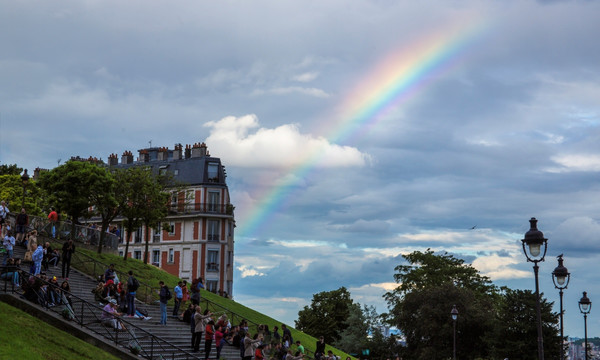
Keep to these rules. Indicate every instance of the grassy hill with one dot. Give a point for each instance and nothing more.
(151, 275)
(25, 337)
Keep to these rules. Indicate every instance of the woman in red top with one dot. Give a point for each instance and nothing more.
(219, 340)
(258, 354)
(186, 295)
(208, 338)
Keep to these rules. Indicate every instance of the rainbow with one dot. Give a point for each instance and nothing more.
(399, 77)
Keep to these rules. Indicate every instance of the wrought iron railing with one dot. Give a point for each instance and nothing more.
(205, 208)
(85, 236)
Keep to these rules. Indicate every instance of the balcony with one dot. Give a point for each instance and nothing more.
(213, 237)
(212, 267)
(201, 208)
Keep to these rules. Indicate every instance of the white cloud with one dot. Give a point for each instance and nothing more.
(306, 77)
(281, 147)
(576, 162)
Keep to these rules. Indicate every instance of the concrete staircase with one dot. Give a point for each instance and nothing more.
(175, 332)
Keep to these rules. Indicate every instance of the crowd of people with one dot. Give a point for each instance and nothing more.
(117, 299)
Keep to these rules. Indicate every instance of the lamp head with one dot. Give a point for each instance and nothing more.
(454, 312)
(534, 240)
(561, 275)
(585, 305)
(25, 176)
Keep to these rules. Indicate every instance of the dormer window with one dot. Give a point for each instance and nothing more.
(213, 172)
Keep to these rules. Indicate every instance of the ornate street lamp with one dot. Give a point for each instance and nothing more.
(454, 314)
(24, 179)
(560, 278)
(585, 306)
(532, 247)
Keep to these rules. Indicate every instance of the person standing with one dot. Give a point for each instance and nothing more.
(9, 244)
(132, 285)
(22, 222)
(287, 332)
(164, 292)
(53, 218)
(178, 298)
(200, 321)
(249, 346)
(3, 214)
(320, 348)
(209, 332)
(37, 257)
(68, 250)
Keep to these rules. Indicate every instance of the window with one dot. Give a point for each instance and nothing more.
(156, 257)
(213, 172)
(171, 255)
(138, 235)
(213, 201)
(137, 254)
(163, 170)
(213, 260)
(171, 228)
(175, 172)
(213, 230)
(212, 285)
(156, 235)
(174, 200)
(121, 253)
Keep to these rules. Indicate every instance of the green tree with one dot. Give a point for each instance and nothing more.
(11, 191)
(153, 208)
(109, 202)
(358, 324)
(11, 169)
(514, 335)
(420, 306)
(71, 187)
(327, 315)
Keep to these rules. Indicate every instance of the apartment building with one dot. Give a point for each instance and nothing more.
(197, 237)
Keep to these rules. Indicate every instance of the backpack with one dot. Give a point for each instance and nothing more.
(134, 285)
(168, 295)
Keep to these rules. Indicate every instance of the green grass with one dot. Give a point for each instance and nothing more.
(151, 275)
(25, 337)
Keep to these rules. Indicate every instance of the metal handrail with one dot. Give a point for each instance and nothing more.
(89, 313)
(86, 235)
(82, 262)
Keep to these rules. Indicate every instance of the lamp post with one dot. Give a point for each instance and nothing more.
(585, 306)
(560, 278)
(454, 314)
(534, 239)
(24, 179)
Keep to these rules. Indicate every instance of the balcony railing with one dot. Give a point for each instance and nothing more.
(213, 237)
(207, 208)
(212, 267)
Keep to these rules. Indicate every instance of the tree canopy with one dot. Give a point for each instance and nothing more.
(327, 315)
(431, 284)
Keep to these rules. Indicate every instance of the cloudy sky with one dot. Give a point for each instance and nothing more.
(352, 131)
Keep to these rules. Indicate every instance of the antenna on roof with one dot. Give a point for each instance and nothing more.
(150, 143)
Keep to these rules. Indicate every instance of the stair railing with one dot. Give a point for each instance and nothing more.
(89, 315)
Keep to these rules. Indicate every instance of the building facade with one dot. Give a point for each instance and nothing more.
(197, 237)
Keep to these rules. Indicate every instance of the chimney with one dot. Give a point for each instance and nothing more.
(199, 150)
(144, 155)
(177, 152)
(113, 160)
(188, 151)
(127, 157)
(163, 154)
